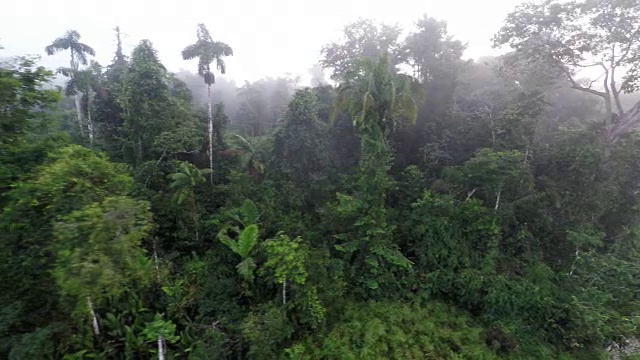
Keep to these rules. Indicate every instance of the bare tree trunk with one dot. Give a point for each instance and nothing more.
(470, 193)
(94, 318)
(160, 348)
(155, 258)
(625, 122)
(210, 132)
(573, 265)
(139, 159)
(161, 343)
(498, 199)
(78, 101)
(89, 121)
(284, 291)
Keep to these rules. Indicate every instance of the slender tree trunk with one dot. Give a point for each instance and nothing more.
(573, 265)
(498, 199)
(94, 318)
(284, 291)
(161, 342)
(160, 348)
(210, 112)
(89, 121)
(155, 258)
(77, 97)
(139, 160)
(78, 101)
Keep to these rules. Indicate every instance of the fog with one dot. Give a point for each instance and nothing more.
(269, 38)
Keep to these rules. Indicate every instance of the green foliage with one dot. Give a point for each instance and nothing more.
(24, 103)
(285, 259)
(444, 235)
(98, 247)
(185, 180)
(160, 328)
(299, 157)
(266, 328)
(397, 331)
(504, 194)
(246, 239)
(155, 124)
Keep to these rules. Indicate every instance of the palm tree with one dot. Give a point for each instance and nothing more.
(79, 51)
(208, 51)
(249, 157)
(379, 99)
(183, 183)
(84, 83)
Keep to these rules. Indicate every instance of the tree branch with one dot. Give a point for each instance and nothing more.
(607, 99)
(626, 121)
(614, 90)
(575, 85)
(626, 53)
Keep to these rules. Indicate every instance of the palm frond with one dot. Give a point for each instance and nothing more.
(84, 49)
(223, 49)
(221, 65)
(247, 240)
(191, 52)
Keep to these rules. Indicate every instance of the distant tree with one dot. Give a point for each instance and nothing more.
(79, 52)
(571, 36)
(435, 58)
(299, 157)
(86, 83)
(208, 51)
(158, 118)
(250, 158)
(363, 39)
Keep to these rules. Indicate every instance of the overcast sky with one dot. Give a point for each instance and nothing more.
(269, 37)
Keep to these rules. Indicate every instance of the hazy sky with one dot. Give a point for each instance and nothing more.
(269, 37)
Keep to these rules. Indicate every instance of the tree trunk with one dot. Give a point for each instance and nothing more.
(78, 101)
(160, 348)
(89, 121)
(498, 200)
(284, 291)
(94, 318)
(155, 258)
(624, 123)
(210, 112)
(139, 157)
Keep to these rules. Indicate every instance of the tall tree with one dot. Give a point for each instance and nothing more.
(299, 155)
(158, 118)
(363, 39)
(603, 35)
(23, 96)
(208, 51)
(378, 101)
(85, 83)
(79, 52)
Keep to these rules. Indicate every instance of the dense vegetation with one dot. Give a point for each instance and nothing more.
(415, 206)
